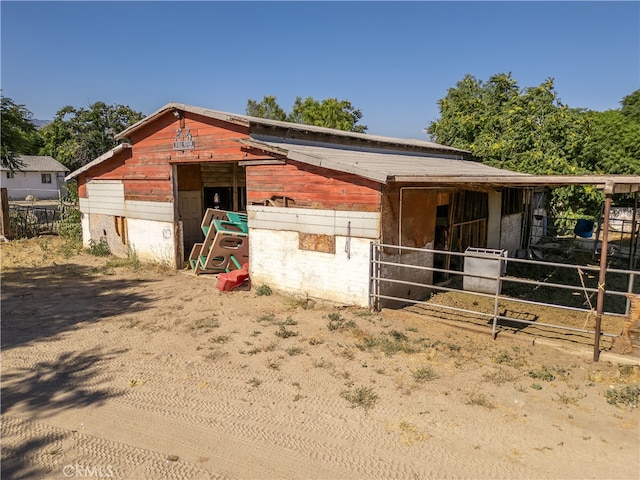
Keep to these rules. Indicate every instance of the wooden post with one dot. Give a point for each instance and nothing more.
(603, 272)
(5, 219)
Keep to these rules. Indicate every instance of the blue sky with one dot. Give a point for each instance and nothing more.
(392, 60)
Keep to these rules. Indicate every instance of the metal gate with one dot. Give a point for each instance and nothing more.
(402, 277)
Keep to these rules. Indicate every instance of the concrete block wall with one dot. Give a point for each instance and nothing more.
(277, 261)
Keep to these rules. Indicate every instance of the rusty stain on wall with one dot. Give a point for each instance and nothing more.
(317, 242)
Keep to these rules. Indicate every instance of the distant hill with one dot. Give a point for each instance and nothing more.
(40, 123)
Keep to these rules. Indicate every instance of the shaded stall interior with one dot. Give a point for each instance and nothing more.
(447, 219)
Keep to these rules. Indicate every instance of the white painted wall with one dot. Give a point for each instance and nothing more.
(84, 221)
(306, 220)
(150, 227)
(275, 258)
(30, 183)
(152, 241)
(503, 233)
(105, 197)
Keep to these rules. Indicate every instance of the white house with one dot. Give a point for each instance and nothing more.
(40, 176)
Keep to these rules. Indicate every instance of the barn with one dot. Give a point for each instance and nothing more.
(316, 198)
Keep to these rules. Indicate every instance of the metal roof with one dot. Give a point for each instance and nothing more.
(378, 166)
(386, 167)
(249, 121)
(39, 163)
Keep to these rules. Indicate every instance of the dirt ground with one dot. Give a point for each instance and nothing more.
(115, 369)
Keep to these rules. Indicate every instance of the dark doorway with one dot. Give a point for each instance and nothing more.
(441, 242)
(220, 198)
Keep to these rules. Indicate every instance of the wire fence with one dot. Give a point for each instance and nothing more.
(32, 220)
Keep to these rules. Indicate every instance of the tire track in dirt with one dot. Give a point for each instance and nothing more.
(63, 454)
(320, 441)
(333, 439)
(339, 445)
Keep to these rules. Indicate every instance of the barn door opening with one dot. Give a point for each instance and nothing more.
(224, 186)
(225, 198)
(189, 208)
(190, 214)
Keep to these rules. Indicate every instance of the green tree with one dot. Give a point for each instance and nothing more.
(19, 134)
(330, 113)
(631, 106)
(78, 135)
(267, 108)
(526, 130)
(611, 143)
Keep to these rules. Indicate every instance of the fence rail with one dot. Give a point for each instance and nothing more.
(514, 284)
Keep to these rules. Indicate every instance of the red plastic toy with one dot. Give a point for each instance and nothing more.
(229, 280)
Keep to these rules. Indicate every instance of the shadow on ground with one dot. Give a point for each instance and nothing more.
(72, 380)
(40, 303)
(15, 464)
(35, 392)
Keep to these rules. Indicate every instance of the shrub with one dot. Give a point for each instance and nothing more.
(628, 396)
(284, 333)
(364, 397)
(424, 374)
(69, 225)
(543, 374)
(336, 322)
(100, 249)
(263, 290)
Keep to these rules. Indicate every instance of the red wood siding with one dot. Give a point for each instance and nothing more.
(214, 140)
(312, 187)
(147, 168)
(112, 169)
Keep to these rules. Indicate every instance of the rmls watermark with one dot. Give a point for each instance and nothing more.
(78, 470)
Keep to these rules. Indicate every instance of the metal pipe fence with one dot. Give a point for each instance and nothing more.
(506, 287)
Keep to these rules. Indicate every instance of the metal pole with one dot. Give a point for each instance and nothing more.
(603, 272)
(633, 232)
(372, 291)
(496, 300)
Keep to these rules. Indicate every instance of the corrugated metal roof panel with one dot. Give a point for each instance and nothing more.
(382, 166)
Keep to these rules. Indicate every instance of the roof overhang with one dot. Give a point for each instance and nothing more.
(486, 177)
(309, 159)
(609, 183)
(102, 158)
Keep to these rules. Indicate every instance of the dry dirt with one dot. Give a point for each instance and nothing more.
(111, 369)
